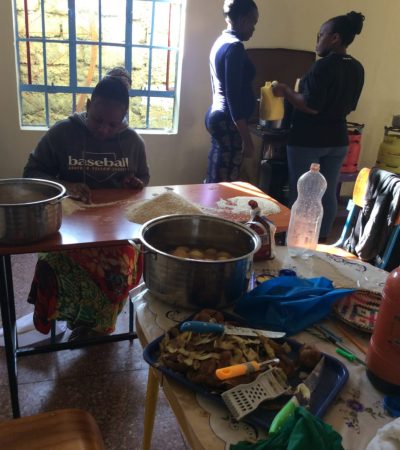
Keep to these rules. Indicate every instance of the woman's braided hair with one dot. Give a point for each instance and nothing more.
(347, 26)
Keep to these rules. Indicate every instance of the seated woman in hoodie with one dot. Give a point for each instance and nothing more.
(95, 149)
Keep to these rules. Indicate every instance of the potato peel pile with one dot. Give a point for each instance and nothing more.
(198, 355)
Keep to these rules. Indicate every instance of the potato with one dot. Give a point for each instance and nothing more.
(183, 248)
(196, 254)
(180, 251)
(309, 356)
(223, 255)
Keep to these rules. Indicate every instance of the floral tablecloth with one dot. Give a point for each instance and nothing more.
(357, 412)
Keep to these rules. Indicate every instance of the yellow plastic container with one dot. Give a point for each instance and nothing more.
(271, 107)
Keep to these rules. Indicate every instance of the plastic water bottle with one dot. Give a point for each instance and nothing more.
(306, 214)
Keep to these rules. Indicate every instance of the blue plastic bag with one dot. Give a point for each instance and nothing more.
(289, 304)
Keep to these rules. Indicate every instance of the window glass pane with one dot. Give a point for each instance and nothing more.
(161, 24)
(36, 62)
(84, 71)
(87, 65)
(175, 29)
(159, 70)
(161, 113)
(112, 28)
(140, 68)
(81, 100)
(87, 20)
(137, 112)
(57, 64)
(34, 17)
(60, 107)
(171, 68)
(33, 108)
(112, 57)
(141, 22)
(56, 19)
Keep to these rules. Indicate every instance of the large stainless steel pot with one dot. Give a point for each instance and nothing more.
(30, 209)
(197, 283)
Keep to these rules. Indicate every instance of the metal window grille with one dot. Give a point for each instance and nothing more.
(46, 95)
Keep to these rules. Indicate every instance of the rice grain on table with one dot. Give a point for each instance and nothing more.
(164, 204)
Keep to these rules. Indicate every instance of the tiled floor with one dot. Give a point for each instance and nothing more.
(107, 380)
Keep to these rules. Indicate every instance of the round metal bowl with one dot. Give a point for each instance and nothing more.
(194, 283)
(30, 209)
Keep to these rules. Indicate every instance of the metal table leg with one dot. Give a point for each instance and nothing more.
(7, 307)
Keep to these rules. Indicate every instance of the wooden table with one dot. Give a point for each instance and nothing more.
(356, 414)
(106, 225)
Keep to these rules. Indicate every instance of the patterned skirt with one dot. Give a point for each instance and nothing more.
(84, 287)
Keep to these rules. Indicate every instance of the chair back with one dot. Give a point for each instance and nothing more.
(63, 429)
(389, 256)
(360, 187)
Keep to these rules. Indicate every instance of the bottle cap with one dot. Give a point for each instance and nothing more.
(287, 273)
(392, 405)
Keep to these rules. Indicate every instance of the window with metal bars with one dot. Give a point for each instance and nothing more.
(64, 47)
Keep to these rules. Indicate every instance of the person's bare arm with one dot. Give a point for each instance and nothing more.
(295, 98)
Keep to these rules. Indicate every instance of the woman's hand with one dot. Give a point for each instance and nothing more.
(295, 98)
(132, 182)
(78, 191)
(279, 89)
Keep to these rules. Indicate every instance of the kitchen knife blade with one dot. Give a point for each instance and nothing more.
(236, 370)
(218, 328)
(301, 397)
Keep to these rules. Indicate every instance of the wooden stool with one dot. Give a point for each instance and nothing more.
(64, 429)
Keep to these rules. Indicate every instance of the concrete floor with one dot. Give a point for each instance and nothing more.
(108, 380)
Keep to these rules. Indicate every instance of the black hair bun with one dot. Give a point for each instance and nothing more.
(356, 20)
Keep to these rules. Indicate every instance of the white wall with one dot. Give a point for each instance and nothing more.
(182, 158)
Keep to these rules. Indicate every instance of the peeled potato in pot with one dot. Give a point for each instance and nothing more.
(223, 255)
(182, 252)
(196, 254)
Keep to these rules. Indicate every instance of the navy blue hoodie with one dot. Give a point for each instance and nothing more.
(69, 152)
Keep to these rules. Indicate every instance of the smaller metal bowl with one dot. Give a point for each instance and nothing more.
(30, 209)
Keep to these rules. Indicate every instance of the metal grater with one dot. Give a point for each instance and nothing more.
(245, 398)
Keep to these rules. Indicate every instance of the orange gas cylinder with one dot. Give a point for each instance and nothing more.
(383, 356)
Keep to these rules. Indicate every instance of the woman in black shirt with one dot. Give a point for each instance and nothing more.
(327, 94)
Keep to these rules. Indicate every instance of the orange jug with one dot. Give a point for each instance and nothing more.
(383, 356)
